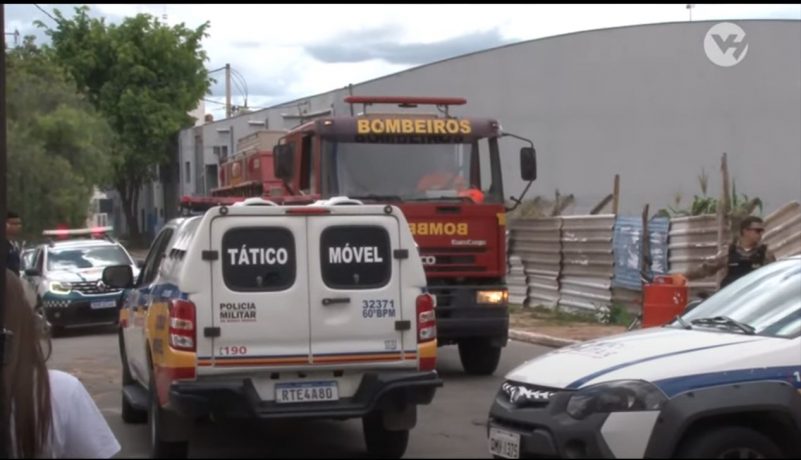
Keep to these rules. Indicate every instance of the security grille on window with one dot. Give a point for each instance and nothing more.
(355, 257)
(258, 259)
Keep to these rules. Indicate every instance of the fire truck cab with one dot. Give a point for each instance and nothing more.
(444, 173)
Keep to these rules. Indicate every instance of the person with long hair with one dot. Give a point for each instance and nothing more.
(50, 413)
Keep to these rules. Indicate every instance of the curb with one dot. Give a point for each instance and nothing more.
(540, 339)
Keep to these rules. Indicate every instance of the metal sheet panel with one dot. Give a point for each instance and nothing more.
(587, 262)
(783, 230)
(693, 240)
(628, 246)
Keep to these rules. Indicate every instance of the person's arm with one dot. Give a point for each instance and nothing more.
(709, 267)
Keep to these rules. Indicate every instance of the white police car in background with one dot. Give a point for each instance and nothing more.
(66, 273)
(722, 381)
(257, 311)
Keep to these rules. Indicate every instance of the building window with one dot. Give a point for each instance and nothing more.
(224, 151)
(188, 168)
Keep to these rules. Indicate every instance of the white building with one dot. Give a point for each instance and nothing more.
(646, 102)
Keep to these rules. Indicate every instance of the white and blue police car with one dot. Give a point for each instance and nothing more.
(721, 381)
(66, 275)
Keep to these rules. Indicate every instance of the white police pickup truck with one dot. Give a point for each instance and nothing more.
(722, 381)
(274, 312)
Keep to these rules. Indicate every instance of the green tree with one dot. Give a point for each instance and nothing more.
(57, 143)
(145, 77)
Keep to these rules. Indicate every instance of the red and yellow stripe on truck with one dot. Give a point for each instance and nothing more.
(168, 363)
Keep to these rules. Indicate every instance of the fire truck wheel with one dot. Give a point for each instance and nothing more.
(479, 357)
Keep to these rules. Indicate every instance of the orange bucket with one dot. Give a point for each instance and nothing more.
(662, 300)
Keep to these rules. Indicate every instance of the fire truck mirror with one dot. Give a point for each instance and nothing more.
(283, 161)
(528, 163)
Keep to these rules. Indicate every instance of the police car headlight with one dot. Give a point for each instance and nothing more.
(497, 297)
(617, 396)
(58, 287)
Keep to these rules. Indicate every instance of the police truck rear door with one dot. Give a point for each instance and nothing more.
(355, 289)
(260, 291)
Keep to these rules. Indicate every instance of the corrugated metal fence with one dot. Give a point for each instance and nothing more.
(586, 262)
(693, 240)
(783, 230)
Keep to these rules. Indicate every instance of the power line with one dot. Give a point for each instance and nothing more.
(45, 12)
(213, 102)
(241, 77)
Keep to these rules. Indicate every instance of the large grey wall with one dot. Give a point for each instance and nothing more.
(643, 102)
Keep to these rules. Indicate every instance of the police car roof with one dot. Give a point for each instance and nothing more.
(66, 244)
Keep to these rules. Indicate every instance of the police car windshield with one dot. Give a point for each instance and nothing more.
(768, 300)
(71, 259)
(408, 171)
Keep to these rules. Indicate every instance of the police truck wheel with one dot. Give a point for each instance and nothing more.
(158, 447)
(729, 442)
(381, 442)
(479, 357)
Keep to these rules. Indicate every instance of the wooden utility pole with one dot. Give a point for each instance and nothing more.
(724, 233)
(616, 195)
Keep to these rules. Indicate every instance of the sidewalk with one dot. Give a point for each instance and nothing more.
(551, 330)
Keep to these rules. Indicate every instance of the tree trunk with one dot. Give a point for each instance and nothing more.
(129, 193)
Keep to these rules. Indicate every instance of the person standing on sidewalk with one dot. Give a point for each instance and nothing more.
(745, 255)
(11, 247)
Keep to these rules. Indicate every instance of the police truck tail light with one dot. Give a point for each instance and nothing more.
(182, 325)
(426, 330)
(307, 211)
(426, 318)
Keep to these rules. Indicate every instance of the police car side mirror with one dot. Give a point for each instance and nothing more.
(32, 272)
(118, 276)
(283, 161)
(528, 163)
(140, 263)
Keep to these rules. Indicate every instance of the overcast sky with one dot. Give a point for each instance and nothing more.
(286, 52)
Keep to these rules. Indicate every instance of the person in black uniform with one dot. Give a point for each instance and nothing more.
(10, 247)
(741, 258)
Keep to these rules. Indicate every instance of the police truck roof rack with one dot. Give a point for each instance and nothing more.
(442, 103)
(255, 201)
(337, 201)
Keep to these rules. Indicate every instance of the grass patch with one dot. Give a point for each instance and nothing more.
(555, 317)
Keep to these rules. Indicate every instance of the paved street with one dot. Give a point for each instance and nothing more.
(453, 426)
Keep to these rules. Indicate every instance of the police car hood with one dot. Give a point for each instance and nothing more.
(650, 354)
(81, 275)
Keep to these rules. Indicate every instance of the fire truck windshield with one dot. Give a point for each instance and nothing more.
(408, 172)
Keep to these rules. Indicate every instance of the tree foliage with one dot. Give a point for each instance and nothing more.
(144, 76)
(57, 143)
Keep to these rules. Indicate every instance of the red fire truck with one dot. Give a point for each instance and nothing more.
(444, 172)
